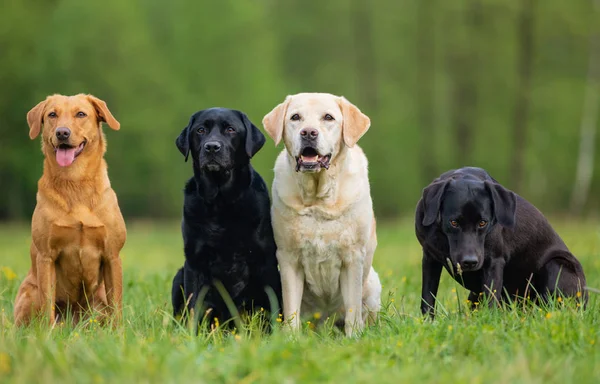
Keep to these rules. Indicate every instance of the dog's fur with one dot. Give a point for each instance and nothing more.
(77, 228)
(226, 225)
(491, 241)
(322, 210)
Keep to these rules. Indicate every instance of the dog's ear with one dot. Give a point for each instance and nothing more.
(432, 200)
(35, 118)
(355, 122)
(183, 140)
(254, 137)
(274, 121)
(505, 204)
(103, 112)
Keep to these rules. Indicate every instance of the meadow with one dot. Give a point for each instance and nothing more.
(554, 344)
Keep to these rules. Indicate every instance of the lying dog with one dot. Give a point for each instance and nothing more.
(496, 242)
(322, 210)
(77, 228)
(226, 226)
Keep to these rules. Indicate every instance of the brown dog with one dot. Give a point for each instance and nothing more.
(77, 228)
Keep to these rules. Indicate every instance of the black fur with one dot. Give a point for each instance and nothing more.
(226, 225)
(494, 239)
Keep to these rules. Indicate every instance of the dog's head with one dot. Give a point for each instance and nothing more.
(70, 126)
(220, 139)
(315, 127)
(466, 211)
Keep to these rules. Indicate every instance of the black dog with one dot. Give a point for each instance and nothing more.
(226, 225)
(497, 243)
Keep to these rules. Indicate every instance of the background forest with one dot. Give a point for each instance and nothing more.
(508, 85)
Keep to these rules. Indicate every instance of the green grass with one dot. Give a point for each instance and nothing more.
(535, 345)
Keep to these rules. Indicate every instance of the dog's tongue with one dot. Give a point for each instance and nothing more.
(65, 157)
(310, 159)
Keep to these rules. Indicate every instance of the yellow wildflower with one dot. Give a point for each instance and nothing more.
(548, 315)
(317, 315)
(559, 299)
(578, 294)
(5, 367)
(9, 274)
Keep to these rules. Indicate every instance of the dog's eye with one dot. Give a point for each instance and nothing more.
(482, 223)
(295, 117)
(201, 130)
(454, 223)
(52, 114)
(81, 114)
(328, 117)
(230, 129)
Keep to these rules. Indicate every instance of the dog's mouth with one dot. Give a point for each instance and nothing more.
(66, 154)
(310, 160)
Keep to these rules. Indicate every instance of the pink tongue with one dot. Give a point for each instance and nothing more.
(65, 157)
(310, 159)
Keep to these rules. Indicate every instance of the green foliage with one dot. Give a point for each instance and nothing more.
(157, 62)
(554, 344)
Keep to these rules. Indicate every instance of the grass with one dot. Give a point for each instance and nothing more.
(556, 344)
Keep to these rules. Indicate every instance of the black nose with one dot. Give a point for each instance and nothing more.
(309, 133)
(63, 133)
(469, 262)
(212, 147)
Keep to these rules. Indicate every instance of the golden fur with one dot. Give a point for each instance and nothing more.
(77, 228)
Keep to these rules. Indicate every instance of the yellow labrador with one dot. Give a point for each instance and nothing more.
(322, 211)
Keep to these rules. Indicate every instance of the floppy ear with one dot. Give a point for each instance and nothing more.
(35, 118)
(505, 204)
(432, 200)
(254, 137)
(104, 113)
(183, 140)
(355, 122)
(274, 120)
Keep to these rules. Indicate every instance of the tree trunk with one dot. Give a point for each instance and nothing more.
(464, 65)
(426, 85)
(589, 121)
(522, 98)
(365, 55)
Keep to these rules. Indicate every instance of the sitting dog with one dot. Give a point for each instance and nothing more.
(491, 241)
(77, 228)
(227, 233)
(322, 210)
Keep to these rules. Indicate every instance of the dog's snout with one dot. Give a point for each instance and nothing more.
(212, 146)
(469, 262)
(309, 133)
(62, 133)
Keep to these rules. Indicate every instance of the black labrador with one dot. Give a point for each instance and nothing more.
(492, 241)
(226, 227)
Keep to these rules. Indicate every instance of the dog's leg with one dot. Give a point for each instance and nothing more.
(493, 282)
(292, 284)
(113, 280)
(46, 276)
(351, 287)
(371, 298)
(432, 271)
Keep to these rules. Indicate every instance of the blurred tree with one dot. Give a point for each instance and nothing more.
(522, 98)
(589, 120)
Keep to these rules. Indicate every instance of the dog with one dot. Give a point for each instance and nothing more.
(77, 228)
(322, 211)
(227, 234)
(492, 241)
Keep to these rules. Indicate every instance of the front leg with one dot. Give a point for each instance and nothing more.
(113, 279)
(351, 279)
(292, 285)
(431, 270)
(46, 280)
(493, 276)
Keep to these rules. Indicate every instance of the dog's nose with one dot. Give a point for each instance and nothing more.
(309, 133)
(212, 147)
(63, 133)
(469, 262)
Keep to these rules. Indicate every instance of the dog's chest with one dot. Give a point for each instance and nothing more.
(78, 246)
